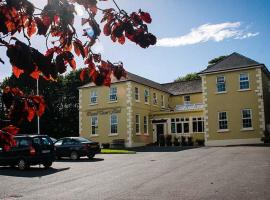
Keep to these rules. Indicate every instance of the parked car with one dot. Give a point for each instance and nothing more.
(76, 147)
(29, 150)
(53, 139)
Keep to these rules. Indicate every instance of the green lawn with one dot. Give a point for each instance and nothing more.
(116, 151)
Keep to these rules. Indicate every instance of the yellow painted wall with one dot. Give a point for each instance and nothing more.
(232, 101)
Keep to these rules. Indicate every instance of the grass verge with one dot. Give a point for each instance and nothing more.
(116, 151)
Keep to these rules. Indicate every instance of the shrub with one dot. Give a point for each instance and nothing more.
(176, 141)
(169, 140)
(200, 142)
(106, 145)
(190, 141)
(161, 140)
(266, 138)
(183, 141)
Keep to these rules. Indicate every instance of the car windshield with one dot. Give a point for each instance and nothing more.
(82, 139)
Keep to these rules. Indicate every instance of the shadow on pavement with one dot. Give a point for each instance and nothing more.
(29, 173)
(162, 149)
(80, 160)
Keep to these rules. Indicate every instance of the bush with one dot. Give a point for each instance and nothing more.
(266, 138)
(161, 140)
(190, 141)
(183, 141)
(176, 141)
(105, 145)
(200, 142)
(169, 140)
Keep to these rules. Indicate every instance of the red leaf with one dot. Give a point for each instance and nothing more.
(83, 74)
(31, 29)
(17, 72)
(11, 129)
(35, 74)
(31, 113)
(72, 63)
(146, 17)
(122, 39)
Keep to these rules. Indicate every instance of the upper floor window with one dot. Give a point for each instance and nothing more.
(113, 94)
(146, 96)
(221, 86)
(137, 95)
(244, 81)
(114, 124)
(246, 118)
(93, 97)
(186, 99)
(145, 125)
(162, 101)
(222, 120)
(155, 98)
(137, 124)
(94, 125)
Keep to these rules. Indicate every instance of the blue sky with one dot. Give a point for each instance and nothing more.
(190, 33)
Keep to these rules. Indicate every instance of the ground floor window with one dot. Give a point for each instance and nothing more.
(180, 125)
(198, 124)
(145, 125)
(114, 123)
(246, 118)
(94, 125)
(222, 120)
(137, 124)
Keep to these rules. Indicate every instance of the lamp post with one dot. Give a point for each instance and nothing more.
(38, 127)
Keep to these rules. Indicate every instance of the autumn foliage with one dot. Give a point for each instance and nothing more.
(56, 23)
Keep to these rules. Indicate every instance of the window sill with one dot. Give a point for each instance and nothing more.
(155, 105)
(93, 104)
(224, 92)
(94, 135)
(146, 134)
(223, 130)
(137, 101)
(247, 129)
(147, 103)
(113, 134)
(112, 101)
(243, 90)
(138, 134)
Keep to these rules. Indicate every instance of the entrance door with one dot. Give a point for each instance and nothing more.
(160, 131)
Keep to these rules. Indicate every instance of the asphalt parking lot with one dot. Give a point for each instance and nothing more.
(202, 173)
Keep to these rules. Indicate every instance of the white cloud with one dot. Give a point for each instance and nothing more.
(208, 32)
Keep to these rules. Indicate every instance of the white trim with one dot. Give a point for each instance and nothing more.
(137, 100)
(110, 94)
(186, 102)
(162, 101)
(91, 125)
(233, 142)
(113, 134)
(224, 92)
(227, 119)
(247, 129)
(223, 130)
(147, 125)
(232, 70)
(221, 92)
(93, 96)
(245, 89)
(138, 133)
(148, 97)
(246, 118)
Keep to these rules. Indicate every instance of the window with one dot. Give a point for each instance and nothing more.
(137, 97)
(244, 81)
(145, 125)
(137, 124)
(198, 124)
(247, 118)
(94, 125)
(222, 120)
(221, 87)
(114, 123)
(146, 96)
(162, 101)
(93, 97)
(186, 99)
(180, 125)
(155, 98)
(113, 94)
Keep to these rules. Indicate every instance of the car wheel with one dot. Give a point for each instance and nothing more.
(47, 165)
(74, 155)
(91, 156)
(22, 165)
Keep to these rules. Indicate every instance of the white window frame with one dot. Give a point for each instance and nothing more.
(138, 123)
(224, 82)
(93, 95)
(146, 97)
(94, 125)
(155, 101)
(113, 123)
(197, 120)
(242, 114)
(162, 101)
(145, 125)
(137, 94)
(181, 122)
(185, 101)
(241, 81)
(113, 94)
(223, 120)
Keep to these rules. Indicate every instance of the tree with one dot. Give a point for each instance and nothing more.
(56, 23)
(216, 60)
(188, 77)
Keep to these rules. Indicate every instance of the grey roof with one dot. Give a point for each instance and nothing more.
(233, 61)
(184, 87)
